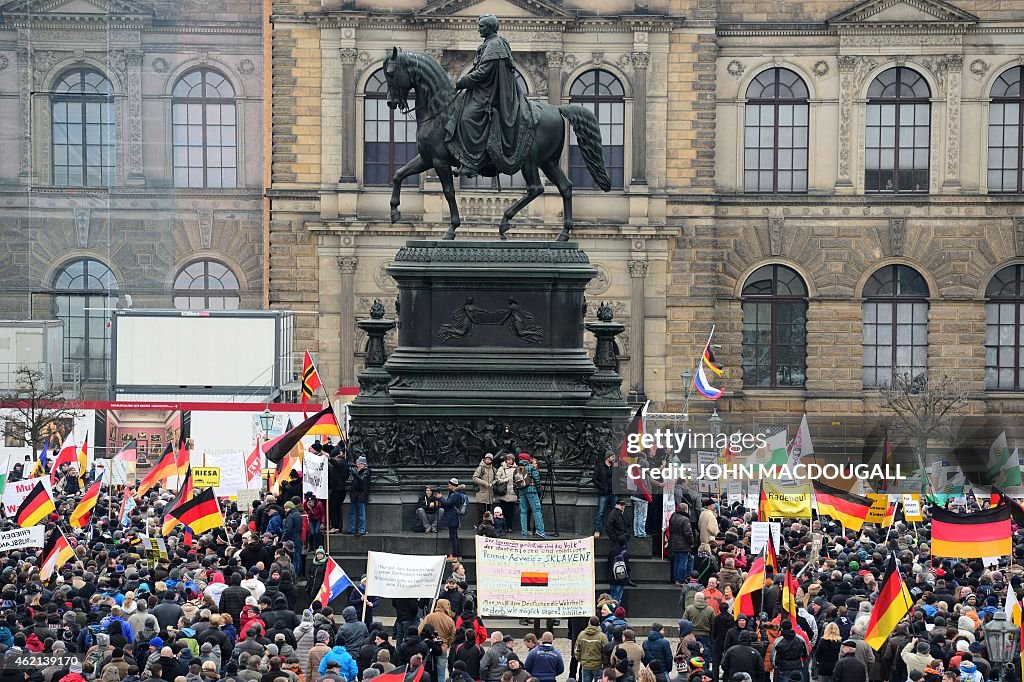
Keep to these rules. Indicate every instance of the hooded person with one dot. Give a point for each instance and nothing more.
(304, 636)
(352, 633)
(657, 648)
(442, 622)
(743, 657)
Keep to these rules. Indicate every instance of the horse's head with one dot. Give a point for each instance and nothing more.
(396, 73)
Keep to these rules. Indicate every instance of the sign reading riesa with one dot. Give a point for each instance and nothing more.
(206, 477)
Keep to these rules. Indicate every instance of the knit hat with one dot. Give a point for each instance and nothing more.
(156, 643)
(498, 513)
(962, 645)
(523, 457)
(323, 636)
(620, 612)
(272, 649)
(361, 460)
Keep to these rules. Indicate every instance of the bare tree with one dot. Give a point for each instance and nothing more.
(921, 408)
(34, 404)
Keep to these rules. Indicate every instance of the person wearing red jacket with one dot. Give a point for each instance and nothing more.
(316, 514)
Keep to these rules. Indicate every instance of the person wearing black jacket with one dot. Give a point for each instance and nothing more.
(604, 477)
(361, 478)
(407, 614)
(616, 528)
(743, 657)
(337, 478)
(411, 645)
(849, 668)
(680, 544)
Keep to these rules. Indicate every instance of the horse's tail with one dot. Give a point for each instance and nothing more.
(588, 133)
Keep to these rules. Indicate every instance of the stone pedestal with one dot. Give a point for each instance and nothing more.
(490, 358)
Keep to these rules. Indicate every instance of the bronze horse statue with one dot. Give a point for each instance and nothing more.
(435, 94)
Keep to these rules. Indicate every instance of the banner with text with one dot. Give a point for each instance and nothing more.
(545, 579)
(20, 538)
(402, 575)
(16, 492)
(314, 475)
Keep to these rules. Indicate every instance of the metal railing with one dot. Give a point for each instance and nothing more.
(65, 376)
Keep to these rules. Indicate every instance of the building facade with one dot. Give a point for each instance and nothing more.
(835, 186)
(130, 163)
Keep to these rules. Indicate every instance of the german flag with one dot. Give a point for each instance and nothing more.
(327, 425)
(310, 378)
(201, 513)
(83, 457)
(634, 484)
(848, 509)
(892, 604)
(533, 579)
(709, 360)
(790, 587)
(56, 553)
(184, 458)
(36, 507)
(83, 512)
(890, 515)
(771, 560)
(164, 468)
(744, 603)
(277, 448)
(184, 494)
(762, 505)
(971, 536)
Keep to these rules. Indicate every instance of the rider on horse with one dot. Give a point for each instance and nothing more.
(491, 128)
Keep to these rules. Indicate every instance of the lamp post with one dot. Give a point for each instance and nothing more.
(266, 423)
(685, 376)
(1000, 638)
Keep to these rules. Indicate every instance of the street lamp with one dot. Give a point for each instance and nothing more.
(685, 376)
(715, 423)
(266, 420)
(1000, 637)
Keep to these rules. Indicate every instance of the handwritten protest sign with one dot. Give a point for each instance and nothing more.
(314, 475)
(402, 575)
(759, 535)
(547, 579)
(16, 492)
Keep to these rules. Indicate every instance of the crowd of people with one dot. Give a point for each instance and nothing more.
(240, 602)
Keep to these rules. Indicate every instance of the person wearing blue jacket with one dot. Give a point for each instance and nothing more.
(657, 648)
(544, 662)
(275, 526)
(348, 664)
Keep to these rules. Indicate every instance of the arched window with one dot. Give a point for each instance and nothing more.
(503, 181)
(206, 285)
(895, 324)
(774, 328)
(85, 293)
(83, 130)
(203, 131)
(1004, 330)
(775, 133)
(601, 92)
(898, 132)
(1006, 133)
(389, 140)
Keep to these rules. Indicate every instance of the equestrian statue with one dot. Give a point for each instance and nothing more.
(484, 125)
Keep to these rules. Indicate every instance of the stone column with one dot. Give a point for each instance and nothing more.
(640, 62)
(637, 275)
(954, 65)
(554, 60)
(348, 117)
(346, 311)
(133, 69)
(27, 172)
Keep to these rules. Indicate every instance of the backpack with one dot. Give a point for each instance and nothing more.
(619, 570)
(463, 505)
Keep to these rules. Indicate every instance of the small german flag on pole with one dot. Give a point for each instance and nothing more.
(36, 507)
(891, 606)
(201, 513)
(56, 553)
(164, 468)
(310, 378)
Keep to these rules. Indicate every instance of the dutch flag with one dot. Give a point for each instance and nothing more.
(336, 581)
